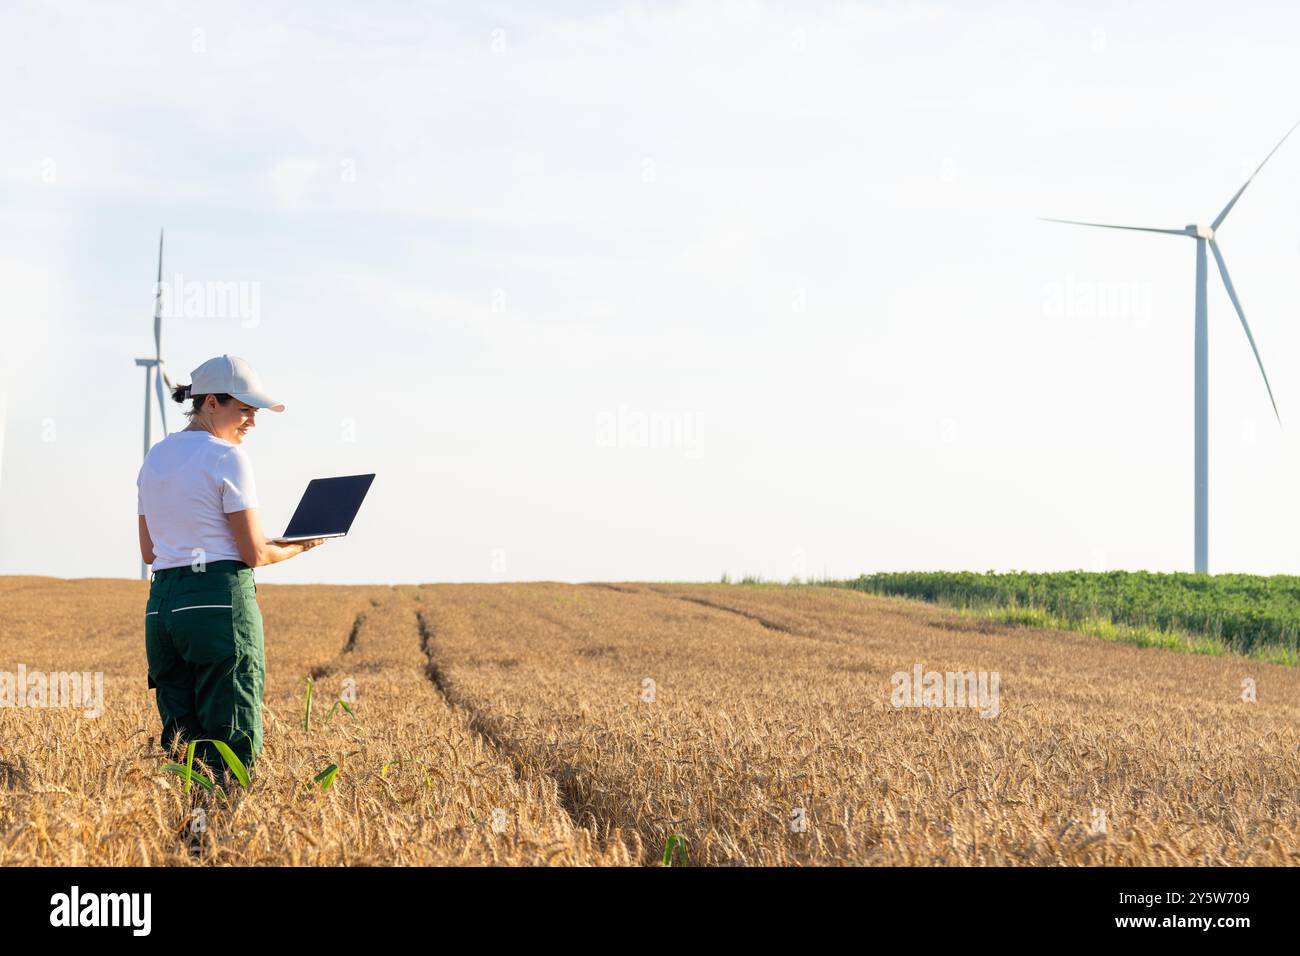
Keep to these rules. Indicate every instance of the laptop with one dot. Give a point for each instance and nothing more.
(327, 508)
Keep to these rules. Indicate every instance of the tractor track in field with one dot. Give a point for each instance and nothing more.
(569, 798)
(324, 670)
(757, 618)
(614, 587)
(651, 589)
(944, 618)
(349, 645)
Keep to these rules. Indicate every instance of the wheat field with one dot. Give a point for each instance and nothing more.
(563, 724)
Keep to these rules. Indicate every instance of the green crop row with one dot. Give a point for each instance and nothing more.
(1242, 613)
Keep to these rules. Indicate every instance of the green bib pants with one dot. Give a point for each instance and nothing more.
(203, 640)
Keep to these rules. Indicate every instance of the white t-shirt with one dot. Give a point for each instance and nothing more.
(187, 485)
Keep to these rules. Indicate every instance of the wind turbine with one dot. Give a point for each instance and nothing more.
(1206, 236)
(155, 373)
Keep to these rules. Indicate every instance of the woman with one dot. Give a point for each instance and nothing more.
(199, 528)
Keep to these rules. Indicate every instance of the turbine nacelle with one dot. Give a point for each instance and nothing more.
(1200, 232)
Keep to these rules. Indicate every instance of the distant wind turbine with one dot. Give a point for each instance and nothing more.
(1206, 236)
(155, 372)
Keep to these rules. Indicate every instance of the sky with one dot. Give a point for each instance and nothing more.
(659, 291)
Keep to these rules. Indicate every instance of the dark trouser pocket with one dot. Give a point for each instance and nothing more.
(241, 717)
(157, 656)
(202, 627)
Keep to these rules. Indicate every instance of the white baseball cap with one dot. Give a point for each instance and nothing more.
(231, 375)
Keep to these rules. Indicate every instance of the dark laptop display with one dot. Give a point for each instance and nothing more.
(328, 507)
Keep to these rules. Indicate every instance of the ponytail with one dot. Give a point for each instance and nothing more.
(183, 393)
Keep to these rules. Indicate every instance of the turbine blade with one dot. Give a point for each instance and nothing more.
(1237, 195)
(147, 415)
(1106, 225)
(162, 401)
(157, 303)
(1236, 304)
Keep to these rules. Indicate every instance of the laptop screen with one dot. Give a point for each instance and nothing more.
(329, 505)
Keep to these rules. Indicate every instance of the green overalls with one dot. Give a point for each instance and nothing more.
(203, 640)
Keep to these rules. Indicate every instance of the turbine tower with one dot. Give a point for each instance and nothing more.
(155, 372)
(1206, 236)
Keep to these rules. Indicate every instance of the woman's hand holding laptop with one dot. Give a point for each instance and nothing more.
(307, 544)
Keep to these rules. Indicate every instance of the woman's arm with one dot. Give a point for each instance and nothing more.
(254, 549)
(146, 543)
